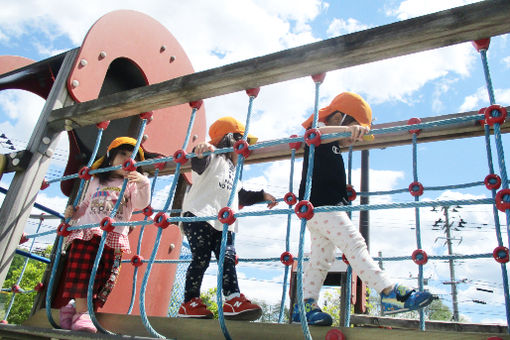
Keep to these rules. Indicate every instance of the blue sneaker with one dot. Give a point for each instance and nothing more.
(314, 315)
(402, 299)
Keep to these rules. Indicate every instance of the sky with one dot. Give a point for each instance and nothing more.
(433, 83)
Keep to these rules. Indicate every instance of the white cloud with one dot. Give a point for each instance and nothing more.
(480, 99)
(341, 26)
(413, 8)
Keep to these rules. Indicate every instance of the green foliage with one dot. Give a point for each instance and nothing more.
(23, 301)
(209, 298)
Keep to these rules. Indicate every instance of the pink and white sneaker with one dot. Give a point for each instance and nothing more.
(83, 323)
(66, 316)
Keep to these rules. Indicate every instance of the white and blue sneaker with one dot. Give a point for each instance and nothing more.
(402, 299)
(314, 315)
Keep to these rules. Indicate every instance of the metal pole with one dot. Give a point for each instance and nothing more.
(452, 266)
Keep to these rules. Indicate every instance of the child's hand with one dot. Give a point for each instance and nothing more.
(69, 212)
(271, 199)
(357, 132)
(203, 147)
(135, 177)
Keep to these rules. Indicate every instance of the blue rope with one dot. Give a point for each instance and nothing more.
(168, 202)
(287, 240)
(21, 274)
(504, 179)
(418, 228)
(139, 246)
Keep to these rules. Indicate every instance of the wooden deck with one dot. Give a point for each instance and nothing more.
(131, 327)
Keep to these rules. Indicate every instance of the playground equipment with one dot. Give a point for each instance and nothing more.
(417, 34)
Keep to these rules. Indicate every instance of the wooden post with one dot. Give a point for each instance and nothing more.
(25, 185)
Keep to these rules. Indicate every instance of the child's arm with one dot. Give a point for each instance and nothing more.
(357, 133)
(200, 163)
(247, 197)
(141, 195)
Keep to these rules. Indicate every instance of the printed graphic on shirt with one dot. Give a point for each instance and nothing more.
(336, 150)
(104, 199)
(228, 180)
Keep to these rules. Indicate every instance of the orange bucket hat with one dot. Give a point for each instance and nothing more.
(115, 144)
(349, 103)
(226, 125)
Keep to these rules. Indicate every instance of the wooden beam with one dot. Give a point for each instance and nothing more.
(462, 327)
(382, 141)
(471, 22)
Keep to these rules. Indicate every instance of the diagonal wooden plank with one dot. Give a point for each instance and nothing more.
(445, 28)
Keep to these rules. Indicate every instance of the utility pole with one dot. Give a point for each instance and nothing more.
(452, 265)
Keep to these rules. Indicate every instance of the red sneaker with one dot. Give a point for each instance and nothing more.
(240, 308)
(195, 308)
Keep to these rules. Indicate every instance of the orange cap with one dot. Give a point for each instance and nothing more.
(115, 144)
(349, 103)
(226, 125)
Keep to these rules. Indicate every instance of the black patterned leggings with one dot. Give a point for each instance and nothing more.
(203, 239)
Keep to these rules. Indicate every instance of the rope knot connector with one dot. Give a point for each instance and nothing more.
(304, 209)
(106, 224)
(295, 145)
(254, 92)
(500, 254)
(416, 189)
(103, 125)
(226, 215)
(482, 44)
(290, 198)
(147, 211)
(351, 193)
(62, 229)
(241, 148)
(137, 260)
(197, 104)
(160, 220)
(180, 157)
(286, 258)
(129, 165)
(491, 118)
(413, 121)
(419, 256)
(492, 182)
(84, 173)
(503, 200)
(312, 136)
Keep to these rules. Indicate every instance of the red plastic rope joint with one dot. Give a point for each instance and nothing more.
(254, 92)
(39, 287)
(492, 182)
(226, 215)
(416, 189)
(482, 44)
(15, 289)
(180, 157)
(503, 200)
(160, 166)
(290, 198)
(312, 136)
(419, 256)
(319, 77)
(129, 165)
(236, 261)
(84, 173)
(103, 125)
(294, 145)
(304, 209)
(286, 258)
(44, 184)
(23, 239)
(147, 211)
(62, 229)
(351, 193)
(106, 224)
(334, 334)
(160, 220)
(500, 254)
(197, 104)
(241, 148)
(490, 119)
(137, 260)
(147, 115)
(413, 121)
(344, 258)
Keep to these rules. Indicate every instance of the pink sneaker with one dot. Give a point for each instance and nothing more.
(82, 323)
(66, 316)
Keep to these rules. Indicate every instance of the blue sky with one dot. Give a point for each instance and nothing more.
(438, 82)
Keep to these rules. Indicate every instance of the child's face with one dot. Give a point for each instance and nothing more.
(120, 157)
(335, 119)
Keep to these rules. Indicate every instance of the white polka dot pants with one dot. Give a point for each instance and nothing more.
(329, 230)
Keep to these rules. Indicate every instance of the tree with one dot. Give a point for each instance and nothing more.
(32, 276)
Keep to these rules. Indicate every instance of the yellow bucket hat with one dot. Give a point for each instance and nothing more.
(115, 144)
(226, 125)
